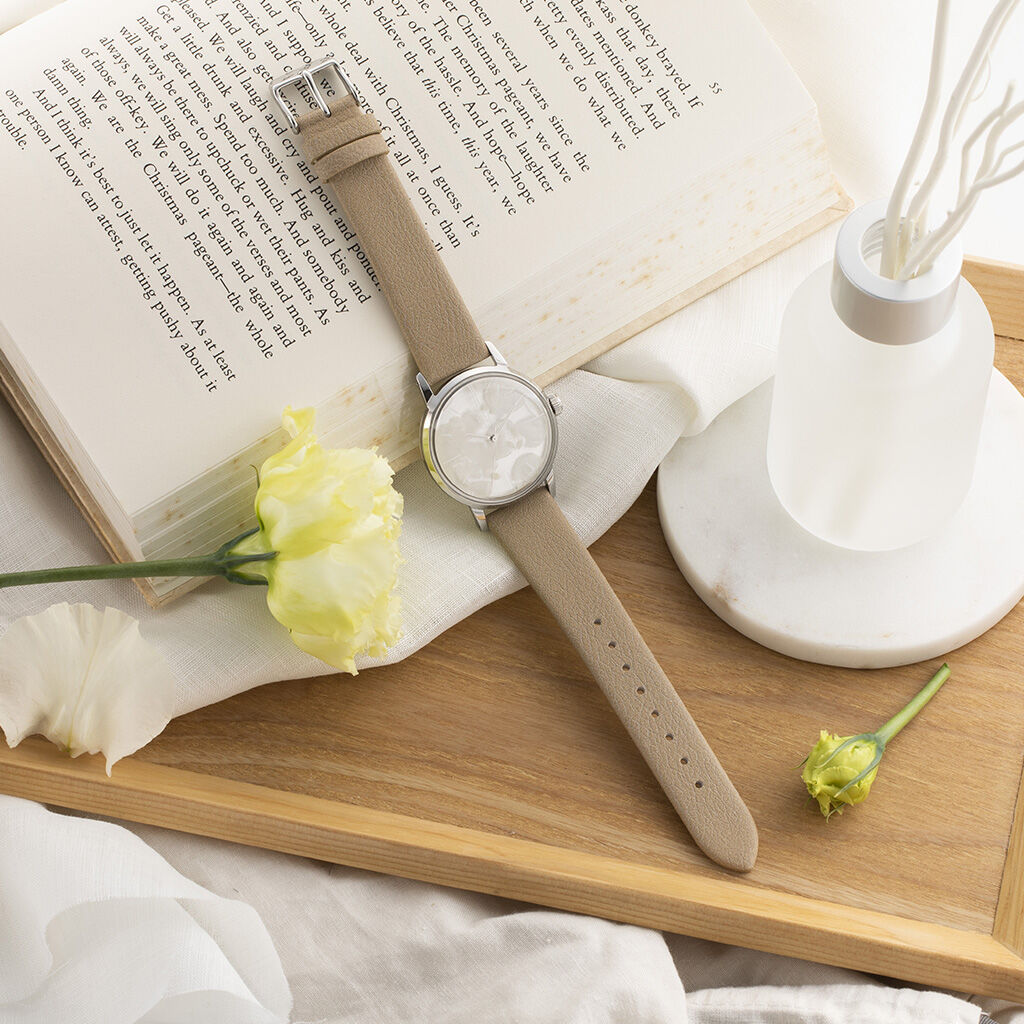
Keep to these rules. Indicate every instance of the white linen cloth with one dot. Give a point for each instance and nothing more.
(95, 928)
(78, 897)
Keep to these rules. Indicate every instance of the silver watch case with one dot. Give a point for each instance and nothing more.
(435, 402)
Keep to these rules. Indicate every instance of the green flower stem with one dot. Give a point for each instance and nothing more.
(220, 563)
(899, 720)
(125, 570)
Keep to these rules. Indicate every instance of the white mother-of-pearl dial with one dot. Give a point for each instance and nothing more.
(492, 437)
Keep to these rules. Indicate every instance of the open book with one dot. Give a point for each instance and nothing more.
(172, 275)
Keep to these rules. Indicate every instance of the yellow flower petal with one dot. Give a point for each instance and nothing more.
(333, 518)
(829, 771)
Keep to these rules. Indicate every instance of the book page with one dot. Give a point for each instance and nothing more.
(172, 273)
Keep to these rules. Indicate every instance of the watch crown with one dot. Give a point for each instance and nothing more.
(556, 404)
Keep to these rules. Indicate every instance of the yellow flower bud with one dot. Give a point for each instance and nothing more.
(333, 519)
(840, 769)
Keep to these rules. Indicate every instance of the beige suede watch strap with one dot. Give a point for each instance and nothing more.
(348, 152)
(565, 577)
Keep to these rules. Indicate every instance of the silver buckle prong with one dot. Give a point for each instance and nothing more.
(306, 76)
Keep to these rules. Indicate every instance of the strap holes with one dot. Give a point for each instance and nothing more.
(654, 713)
(611, 643)
(625, 668)
(597, 622)
(684, 760)
(669, 736)
(699, 784)
(640, 690)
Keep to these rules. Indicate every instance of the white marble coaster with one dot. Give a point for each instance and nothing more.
(770, 579)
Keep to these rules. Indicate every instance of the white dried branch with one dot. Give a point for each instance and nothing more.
(983, 125)
(959, 99)
(977, 91)
(894, 211)
(924, 252)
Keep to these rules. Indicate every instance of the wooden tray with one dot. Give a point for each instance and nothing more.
(490, 761)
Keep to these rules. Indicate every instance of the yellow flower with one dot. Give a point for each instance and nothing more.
(840, 769)
(333, 519)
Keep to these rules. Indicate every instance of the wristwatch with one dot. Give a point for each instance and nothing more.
(489, 438)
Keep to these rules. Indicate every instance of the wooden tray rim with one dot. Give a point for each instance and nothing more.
(724, 910)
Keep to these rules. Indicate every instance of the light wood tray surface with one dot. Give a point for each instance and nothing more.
(490, 761)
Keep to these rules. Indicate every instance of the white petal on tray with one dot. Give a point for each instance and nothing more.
(85, 679)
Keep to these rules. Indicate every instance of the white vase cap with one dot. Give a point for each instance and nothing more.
(879, 308)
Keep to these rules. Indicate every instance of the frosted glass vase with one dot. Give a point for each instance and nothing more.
(879, 395)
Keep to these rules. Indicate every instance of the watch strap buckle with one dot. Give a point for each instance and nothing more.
(306, 76)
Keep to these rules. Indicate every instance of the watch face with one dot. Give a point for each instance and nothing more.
(492, 437)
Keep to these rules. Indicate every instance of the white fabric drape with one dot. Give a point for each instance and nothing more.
(96, 927)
